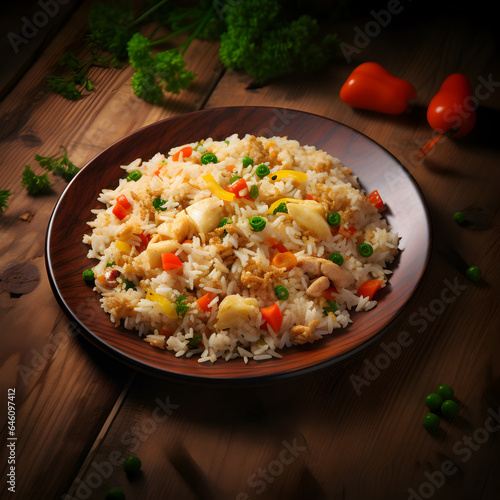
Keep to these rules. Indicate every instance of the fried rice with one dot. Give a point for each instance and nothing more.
(221, 249)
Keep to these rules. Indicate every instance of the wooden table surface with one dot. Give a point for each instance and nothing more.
(351, 431)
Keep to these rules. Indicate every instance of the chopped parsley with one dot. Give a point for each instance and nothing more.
(181, 307)
(59, 164)
(331, 308)
(4, 198)
(195, 340)
(281, 208)
(35, 184)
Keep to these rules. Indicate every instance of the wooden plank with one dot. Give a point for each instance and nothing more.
(26, 29)
(66, 388)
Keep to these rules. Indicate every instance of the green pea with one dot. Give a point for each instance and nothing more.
(88, 276)
(132, 465)
(449, 408)
(224, 221)
(257, 223)
(158, 204)
(114, 494)
(473, 273)
(365, 250)
(459, 217)
(336, 258)
(247, 161)
(434, 401)
(208, 158)
(445, 391)
(134, 176)
(234, 178)
(281, 292)
(262, 171)
(281, 208)
(431, 422)
(333, 219)
(254, 191)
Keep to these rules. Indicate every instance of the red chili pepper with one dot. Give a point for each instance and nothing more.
(371, 86)
(452, 107)
(375, 199)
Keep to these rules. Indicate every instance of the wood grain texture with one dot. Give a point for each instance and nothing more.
(362, 441)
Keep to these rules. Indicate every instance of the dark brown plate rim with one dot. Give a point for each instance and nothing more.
(89, 319)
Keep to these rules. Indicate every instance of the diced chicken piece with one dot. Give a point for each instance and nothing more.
(318, 286)
(206, 215)
(234, 311)
(179, 229)
(300, 334)
(336, 274)
(311, 216)
(316, 266)
(268, 191)
(311, 265)
(156, 340)
(155, 250)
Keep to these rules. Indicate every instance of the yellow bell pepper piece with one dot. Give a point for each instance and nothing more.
(163, 302)
(280, 174)
(123, 246)
(217, 189)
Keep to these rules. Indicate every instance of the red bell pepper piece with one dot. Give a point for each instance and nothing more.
(145, 238)
(452, 107)
(119, 211)
(346, 232)
(238, 186)
(123, 200)
(330, 293)
(371, 86)
(272, 317)
(368, 288)
(277, 245)
(375, 199)
(170, 261)
(205, 300)
(186, 153)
